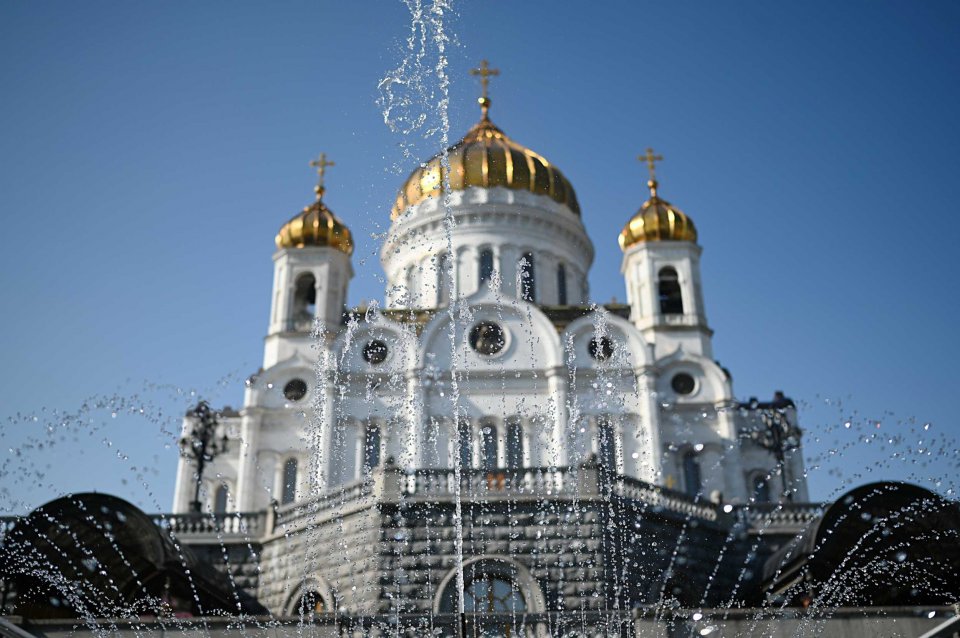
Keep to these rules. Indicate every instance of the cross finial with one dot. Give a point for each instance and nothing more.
(321, 165)
(485, 73)
(651, 161)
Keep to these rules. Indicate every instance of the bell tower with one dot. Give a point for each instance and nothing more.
(661, 269)
(311, 273)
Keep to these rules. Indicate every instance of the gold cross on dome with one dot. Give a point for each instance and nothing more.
(321, 165)
(485, 73)
(651, 160)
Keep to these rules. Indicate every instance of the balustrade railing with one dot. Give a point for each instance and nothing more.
(440, 484)
(226, 525)
(479, 483)
(295, 513)
(780, 516)
(663, 498)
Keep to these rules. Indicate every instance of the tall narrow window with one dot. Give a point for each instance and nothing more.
(465, 437)
(526, 278)
(486, 265)
(443, 279)
(691, 474)
(562, 285)
(488, 445)
(761, 489)
(289, 491)
(304, 302)
(220, 500)
(514, 442)
(606, 443)
(371, 447)
(671, 300)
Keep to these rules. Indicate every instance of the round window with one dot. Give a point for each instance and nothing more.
(375, 352)
(487, 338)
(295, 389)
(600, 349)
(683, 383)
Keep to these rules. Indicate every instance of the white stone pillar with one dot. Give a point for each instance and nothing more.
(509, 256)
(326, 421)
(497, 266)
(647, 465)
(414, 426)
(556, 451)
(250, 423)
(735, 488)
(186, 469)
(278, 470)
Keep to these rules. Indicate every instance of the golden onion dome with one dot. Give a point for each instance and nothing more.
(487, 158)
(316, 225)
(657, 220)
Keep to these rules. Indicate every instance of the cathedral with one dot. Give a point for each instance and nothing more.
(487, 351)
(488, 452)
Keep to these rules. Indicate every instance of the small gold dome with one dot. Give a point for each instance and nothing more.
(316, 225)
(657, 220)
(485, 158)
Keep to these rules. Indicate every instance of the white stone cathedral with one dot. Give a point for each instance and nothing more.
(487, 352)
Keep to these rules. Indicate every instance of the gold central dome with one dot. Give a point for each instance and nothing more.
(486, 158)
(316, 225)
(657, 220)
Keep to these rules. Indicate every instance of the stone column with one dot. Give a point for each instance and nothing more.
(250, 423)
(509, 255)
(556, 451)
(279, 467)
(414, 426)
(647, 465)
(326, 420)
(735, 488)
(182, 492)
(497, 267)
(465, 279)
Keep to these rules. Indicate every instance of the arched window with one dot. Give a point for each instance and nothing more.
(304, 302)
(488, 445)
(465, 443)
(761, 489)
(514, 442)
(443, 279)
(371, 447)
(220, 500)
(488, 587)
(671, 300)
(309, 604)
(289, 491)
(486, 265)
(562, 285)
(492, 594)
(691, 474)
(606, 443)
(526, 278)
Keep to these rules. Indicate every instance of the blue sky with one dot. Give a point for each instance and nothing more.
(152, 150)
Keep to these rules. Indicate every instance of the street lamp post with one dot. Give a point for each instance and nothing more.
(201, 445)
(776, 433)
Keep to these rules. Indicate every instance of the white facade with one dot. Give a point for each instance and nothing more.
(638, 391)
